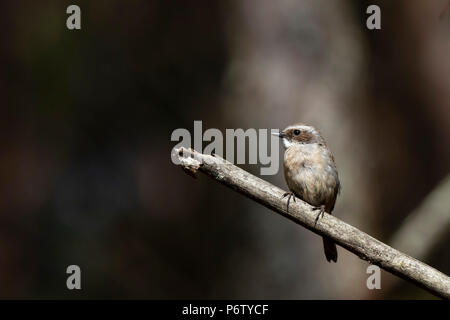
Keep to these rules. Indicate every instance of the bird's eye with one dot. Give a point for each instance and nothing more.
(296, 132)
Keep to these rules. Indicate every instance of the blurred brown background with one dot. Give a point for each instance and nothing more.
(86, 118)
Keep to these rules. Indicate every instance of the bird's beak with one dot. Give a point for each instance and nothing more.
(280, 134)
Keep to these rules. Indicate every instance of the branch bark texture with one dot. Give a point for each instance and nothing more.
(345, 235)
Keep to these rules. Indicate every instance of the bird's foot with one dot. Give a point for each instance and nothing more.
(321, 212)
(291, 195)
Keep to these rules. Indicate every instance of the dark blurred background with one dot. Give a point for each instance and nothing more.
(86, 119)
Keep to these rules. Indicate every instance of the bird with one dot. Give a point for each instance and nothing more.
(311, 173)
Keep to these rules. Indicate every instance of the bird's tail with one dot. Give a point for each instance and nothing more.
(330, 249)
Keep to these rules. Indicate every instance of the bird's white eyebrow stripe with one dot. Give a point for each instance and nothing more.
(306, 128)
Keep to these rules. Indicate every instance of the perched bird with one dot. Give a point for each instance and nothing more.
(310, 173)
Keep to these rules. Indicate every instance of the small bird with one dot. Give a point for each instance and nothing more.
(310, 173)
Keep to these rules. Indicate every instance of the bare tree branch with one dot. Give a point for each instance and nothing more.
(427, 224)
(347, 236)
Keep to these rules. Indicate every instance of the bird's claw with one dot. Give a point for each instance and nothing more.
(321, 212)
(291, 195)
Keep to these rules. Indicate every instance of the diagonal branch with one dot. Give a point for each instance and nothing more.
(427, 224)
(347, 236)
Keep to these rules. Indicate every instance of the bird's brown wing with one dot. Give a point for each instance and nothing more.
(329, 205)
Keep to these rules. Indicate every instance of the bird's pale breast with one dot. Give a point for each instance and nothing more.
(311, 174)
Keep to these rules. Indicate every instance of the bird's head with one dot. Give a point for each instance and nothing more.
(300, 134)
